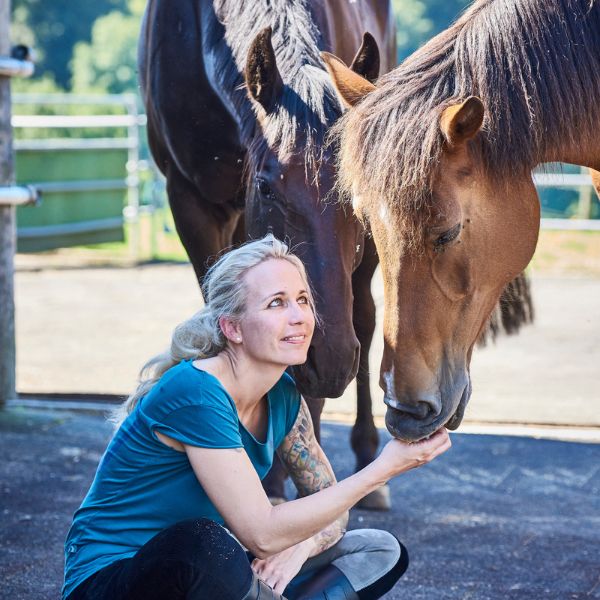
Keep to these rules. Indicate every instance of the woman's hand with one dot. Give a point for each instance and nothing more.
(278, 570)
(398, 456)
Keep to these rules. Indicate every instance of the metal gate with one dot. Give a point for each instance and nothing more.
(87, 177)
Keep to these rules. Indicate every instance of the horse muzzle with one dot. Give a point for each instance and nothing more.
(414, 421)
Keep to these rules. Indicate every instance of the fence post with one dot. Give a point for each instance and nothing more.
(7, 227)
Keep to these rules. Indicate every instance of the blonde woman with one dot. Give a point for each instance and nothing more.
(177, 510)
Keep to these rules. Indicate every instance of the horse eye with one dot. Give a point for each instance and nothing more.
(446, 238)
(263, 188)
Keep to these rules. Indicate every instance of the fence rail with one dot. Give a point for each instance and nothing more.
(63, 228)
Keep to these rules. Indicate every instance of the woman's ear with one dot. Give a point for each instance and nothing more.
(231, 329)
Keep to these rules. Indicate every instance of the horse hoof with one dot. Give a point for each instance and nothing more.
(379, 499)
(275, 500)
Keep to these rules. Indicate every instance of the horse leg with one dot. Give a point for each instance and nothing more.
(274, 481)
(364, 437)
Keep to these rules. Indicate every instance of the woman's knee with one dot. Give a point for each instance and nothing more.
(195, 539)
(372, 560)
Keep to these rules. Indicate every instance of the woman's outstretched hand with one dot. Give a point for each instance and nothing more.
(398, 456)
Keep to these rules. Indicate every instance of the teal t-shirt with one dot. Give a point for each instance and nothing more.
(142, 486)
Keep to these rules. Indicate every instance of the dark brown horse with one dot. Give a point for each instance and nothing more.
(239, 104)
(438, 159)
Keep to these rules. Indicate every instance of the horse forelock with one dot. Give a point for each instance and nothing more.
(301, 118)
(534, 63)
(308, 105)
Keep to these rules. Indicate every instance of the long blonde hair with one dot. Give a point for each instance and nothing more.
(224, 295)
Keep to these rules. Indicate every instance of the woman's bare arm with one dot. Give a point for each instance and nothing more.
(233, 486)
(311, 472)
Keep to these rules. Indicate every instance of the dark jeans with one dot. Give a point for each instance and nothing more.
(200, 560)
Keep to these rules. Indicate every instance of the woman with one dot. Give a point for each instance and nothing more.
(198, 437)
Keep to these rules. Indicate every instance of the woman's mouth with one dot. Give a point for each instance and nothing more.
(295, 339)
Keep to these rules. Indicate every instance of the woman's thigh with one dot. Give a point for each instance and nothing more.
(196, 559)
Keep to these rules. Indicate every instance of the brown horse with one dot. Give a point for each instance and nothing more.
(438, 158)
(239, 104)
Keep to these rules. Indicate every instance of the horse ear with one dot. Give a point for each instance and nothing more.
(351, 87)
(262, 75)
(366, 61)
(461, 122)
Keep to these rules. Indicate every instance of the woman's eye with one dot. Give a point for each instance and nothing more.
(446, 238)
(303, 300)
(275, 302)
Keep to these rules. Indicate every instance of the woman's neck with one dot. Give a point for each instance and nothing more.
(246, 382)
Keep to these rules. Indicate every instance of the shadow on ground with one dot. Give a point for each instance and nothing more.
(494, 518)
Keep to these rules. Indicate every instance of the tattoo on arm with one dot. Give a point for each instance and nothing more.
(310, 471)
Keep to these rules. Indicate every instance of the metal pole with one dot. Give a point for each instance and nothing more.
(7, 227)
(133, 184)
(584, 208)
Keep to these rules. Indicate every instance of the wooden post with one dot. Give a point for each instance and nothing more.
(7, 227)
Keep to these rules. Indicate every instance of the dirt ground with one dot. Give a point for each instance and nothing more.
(88, 329)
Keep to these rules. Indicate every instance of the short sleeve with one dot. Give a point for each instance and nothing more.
(205, 426)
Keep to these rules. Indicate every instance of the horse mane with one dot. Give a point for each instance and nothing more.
(308, 104)
(535, 64)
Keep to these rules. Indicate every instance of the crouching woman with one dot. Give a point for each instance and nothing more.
(177, 510)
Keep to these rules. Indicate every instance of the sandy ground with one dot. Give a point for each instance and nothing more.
(88, 330)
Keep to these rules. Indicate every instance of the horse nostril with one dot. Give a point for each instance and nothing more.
(422, 410)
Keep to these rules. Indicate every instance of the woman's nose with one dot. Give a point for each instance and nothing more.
(297, 313)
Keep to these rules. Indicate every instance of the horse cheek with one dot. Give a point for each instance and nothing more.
(453, 277)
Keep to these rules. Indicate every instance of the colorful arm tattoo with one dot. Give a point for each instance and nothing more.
(310, 471)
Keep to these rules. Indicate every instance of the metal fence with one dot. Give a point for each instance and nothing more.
(97, 165)
(582, 183)
(91, 229)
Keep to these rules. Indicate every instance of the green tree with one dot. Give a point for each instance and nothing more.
(108, 62)
(419, 20)
(53, 27)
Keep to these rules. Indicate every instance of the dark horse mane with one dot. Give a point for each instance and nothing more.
(534, 63)
(307, 105)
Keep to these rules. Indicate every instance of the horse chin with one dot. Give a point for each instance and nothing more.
(456, 419)
(408, 429)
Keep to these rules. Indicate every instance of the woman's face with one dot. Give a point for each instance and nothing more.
(278, 323)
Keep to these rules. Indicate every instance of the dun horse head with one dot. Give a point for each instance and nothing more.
(437, 159)
(290, 181)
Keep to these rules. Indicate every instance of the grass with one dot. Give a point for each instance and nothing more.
(567, 253)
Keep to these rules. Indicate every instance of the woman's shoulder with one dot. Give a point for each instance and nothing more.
(183, 385)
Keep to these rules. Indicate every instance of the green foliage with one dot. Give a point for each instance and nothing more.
(53, 27)
(108, 62)
(91, 46)
(419, 20)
